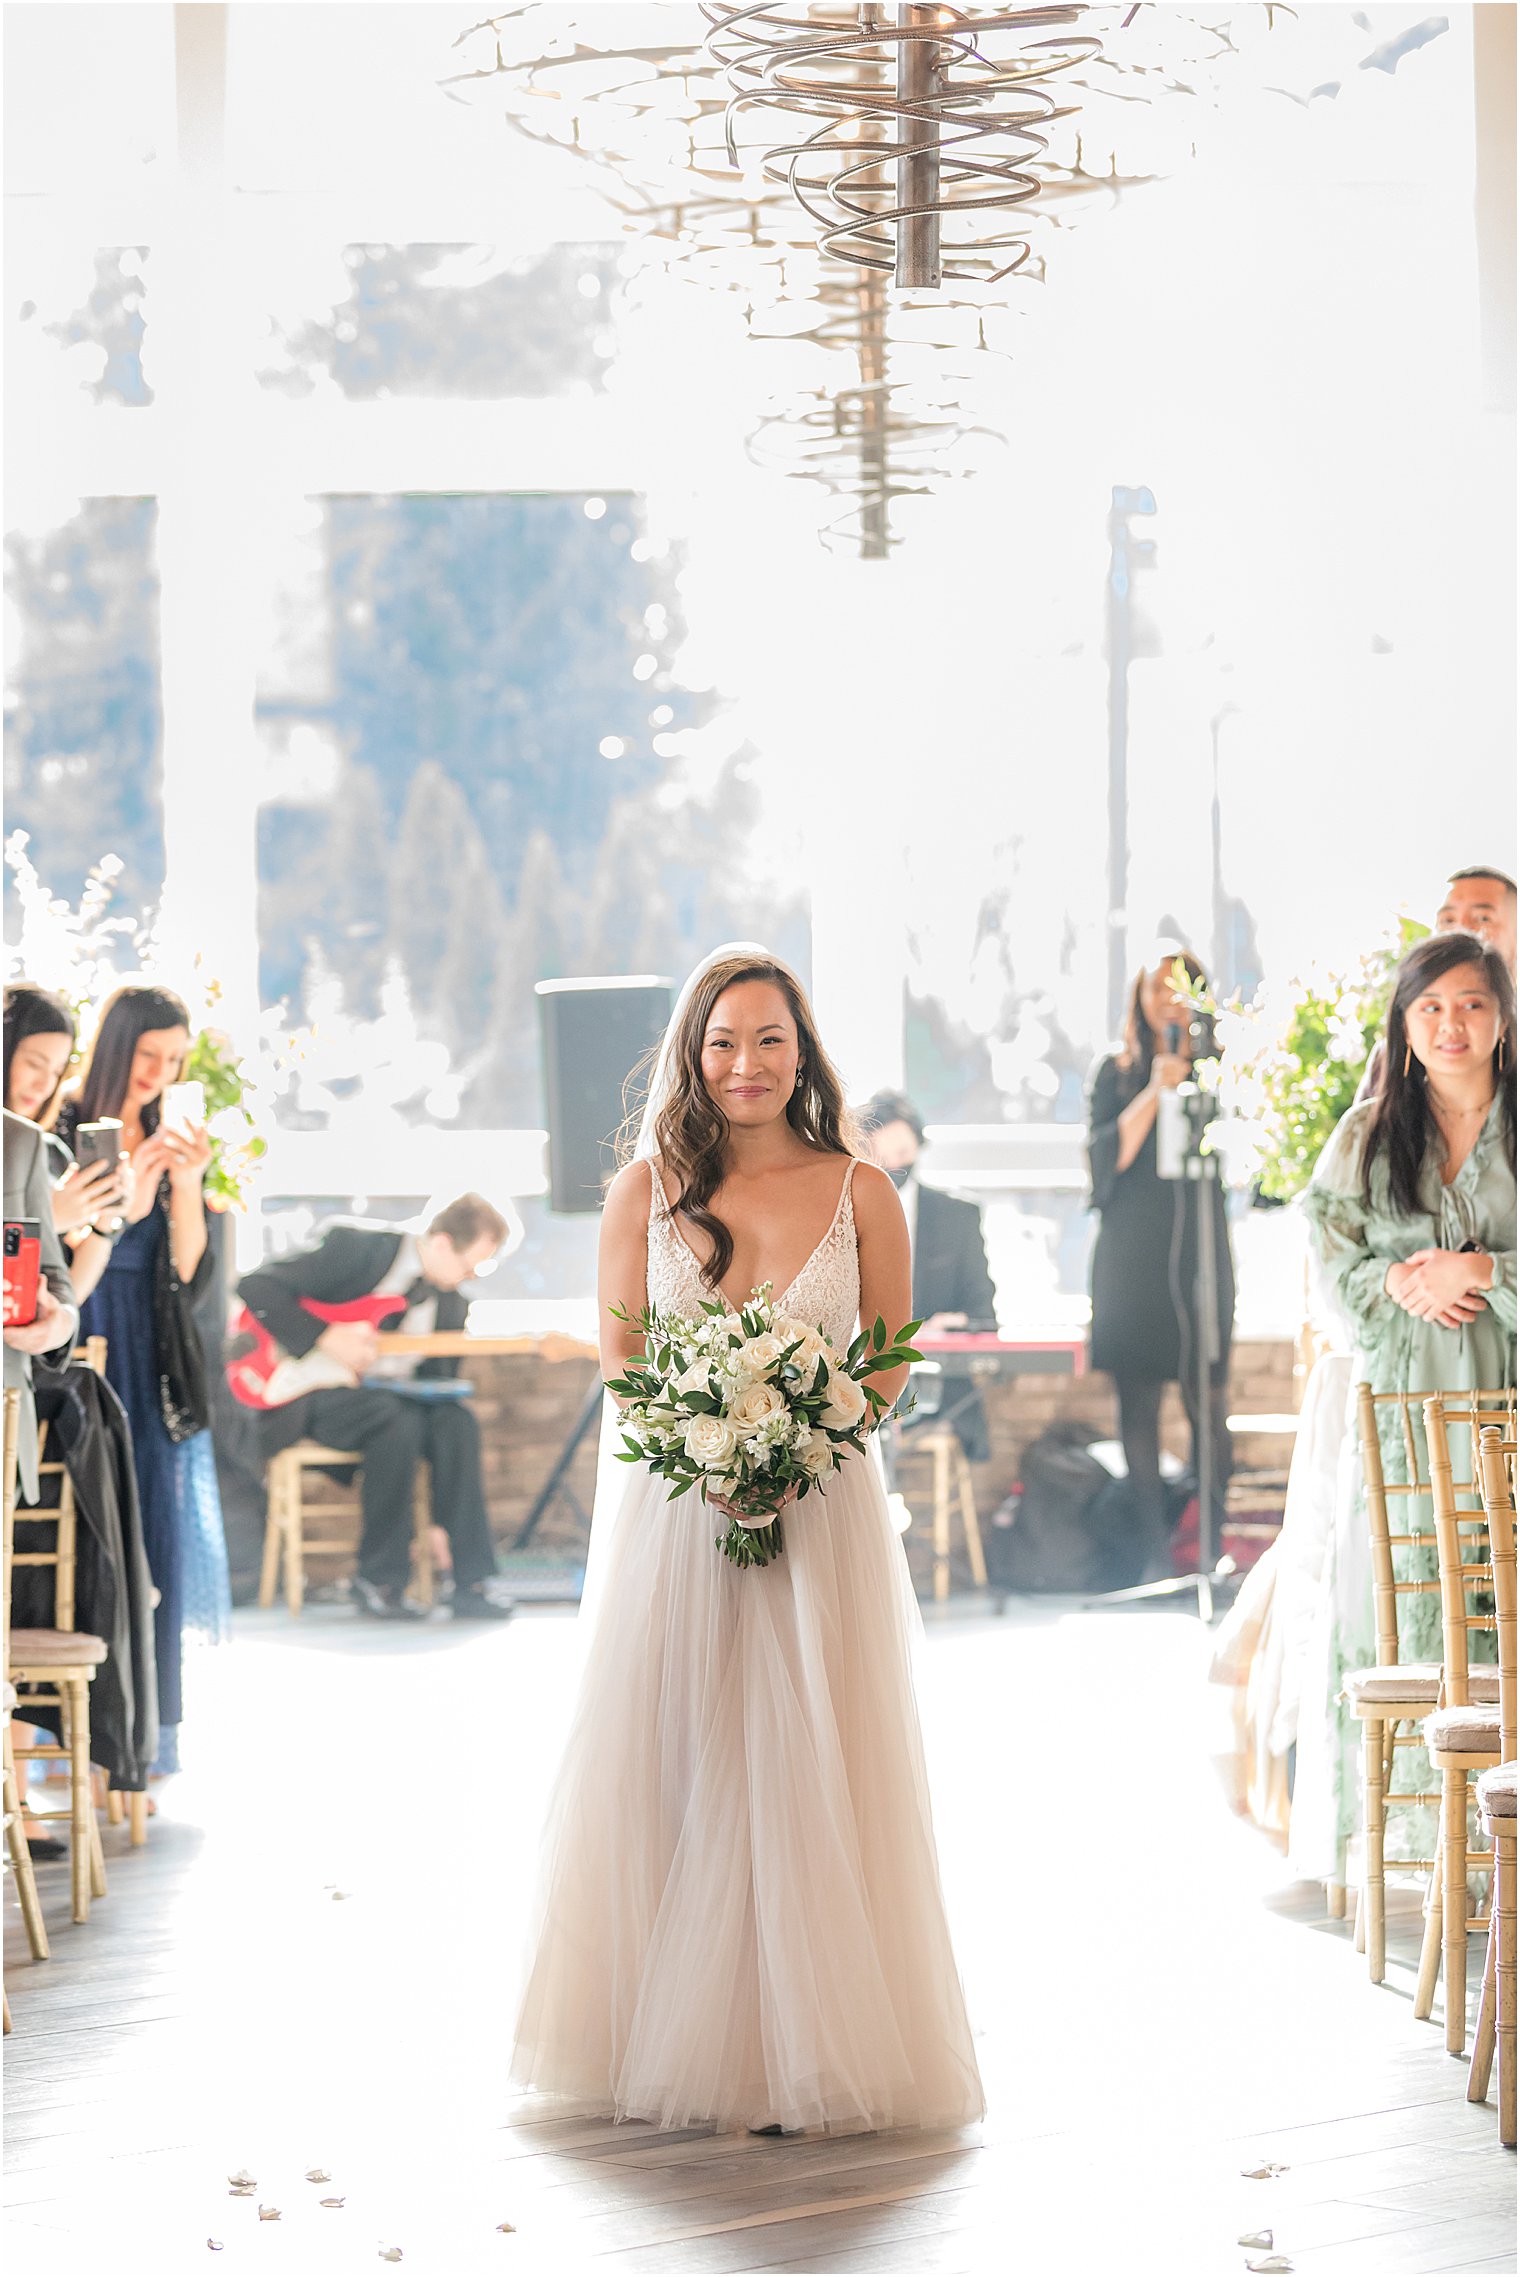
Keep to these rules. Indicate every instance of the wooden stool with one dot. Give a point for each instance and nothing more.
(285, 1535)
(1496, 1803)
(952, 1484)
(57, 1667)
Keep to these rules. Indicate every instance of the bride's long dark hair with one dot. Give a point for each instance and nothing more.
(691, 1129)
(1402, 1128)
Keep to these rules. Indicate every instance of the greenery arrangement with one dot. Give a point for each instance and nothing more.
(1290, 1068)
(237, 1145)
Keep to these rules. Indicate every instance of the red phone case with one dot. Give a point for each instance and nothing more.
(23, 1266)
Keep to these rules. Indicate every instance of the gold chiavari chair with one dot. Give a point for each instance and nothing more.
(287, 1542)
(54, 1668)
(1392, 1698)
(1496, 1801)
(1462, 1734)
(17, 1850)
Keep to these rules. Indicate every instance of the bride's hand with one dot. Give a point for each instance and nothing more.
(732, 1510)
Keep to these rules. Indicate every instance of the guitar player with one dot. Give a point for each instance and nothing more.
(306, 1352)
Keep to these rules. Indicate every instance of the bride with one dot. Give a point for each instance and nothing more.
(740, 1920)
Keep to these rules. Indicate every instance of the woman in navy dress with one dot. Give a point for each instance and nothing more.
(139, 1050)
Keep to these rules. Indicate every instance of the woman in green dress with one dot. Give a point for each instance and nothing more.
(1412, 1218)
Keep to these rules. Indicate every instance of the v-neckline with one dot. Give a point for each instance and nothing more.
(779, 1301)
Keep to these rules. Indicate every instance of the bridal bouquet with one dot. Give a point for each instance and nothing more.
(753, 1407)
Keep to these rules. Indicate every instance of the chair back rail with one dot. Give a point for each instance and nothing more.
(1465, 1563)
(1476, 1409)
(1498, 1460)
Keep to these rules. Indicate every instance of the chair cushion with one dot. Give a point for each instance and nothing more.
(1496, 1791)
(1416, 1680)
(55, 1648)
(1413, 1680)
(1464, 1731)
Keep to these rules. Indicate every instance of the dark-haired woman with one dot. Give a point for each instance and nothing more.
(1412, 1216)
(40, 1036)
(156, 1269)
(740, 1919)
(1145, 1258)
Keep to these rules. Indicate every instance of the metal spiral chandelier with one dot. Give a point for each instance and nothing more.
(912, 87)
(921, 148)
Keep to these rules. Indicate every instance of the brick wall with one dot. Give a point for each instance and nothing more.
(526, 1407)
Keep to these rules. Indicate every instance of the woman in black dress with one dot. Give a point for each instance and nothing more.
(1144, 1267)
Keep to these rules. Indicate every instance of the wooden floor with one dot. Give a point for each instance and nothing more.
(1156, 2007)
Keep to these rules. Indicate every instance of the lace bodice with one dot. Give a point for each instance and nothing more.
(825, 1294)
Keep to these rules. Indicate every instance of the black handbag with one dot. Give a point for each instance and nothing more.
(179, 1359)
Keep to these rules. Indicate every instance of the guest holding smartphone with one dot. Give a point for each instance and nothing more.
(142, 1306)
(89, 1198)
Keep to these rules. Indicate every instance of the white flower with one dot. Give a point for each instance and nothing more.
(812, 1345)
(756, 1405)
(818, 1456)
(694, 1378)
(711, 1441)
(845, 1402)
(762, 1352)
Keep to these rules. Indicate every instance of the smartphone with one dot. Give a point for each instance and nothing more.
(184, 1107)
(99, 1142)
(23, 1264)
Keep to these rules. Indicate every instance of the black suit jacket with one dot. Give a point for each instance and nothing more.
(950, 1260)
(950, 1275)
(349, 1260)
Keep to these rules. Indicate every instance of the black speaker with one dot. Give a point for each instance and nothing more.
(595, 1032)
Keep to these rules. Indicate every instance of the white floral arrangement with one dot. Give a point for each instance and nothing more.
(755, 1408)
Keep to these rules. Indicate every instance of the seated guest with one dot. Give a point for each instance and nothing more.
(952, 1287)
(412, 1278)
(40, 1040)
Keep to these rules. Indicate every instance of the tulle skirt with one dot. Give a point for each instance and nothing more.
(740, 1920)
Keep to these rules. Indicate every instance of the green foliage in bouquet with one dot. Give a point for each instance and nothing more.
(780, 1409)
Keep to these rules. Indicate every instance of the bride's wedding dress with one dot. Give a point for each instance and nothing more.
(740, 1919)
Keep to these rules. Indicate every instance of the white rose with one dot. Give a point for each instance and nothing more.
(761, 1353)
(845, 1403)
(818, 1456)
(755, 1406)
(694, 1378)
(811, 1344)
(711, 1441)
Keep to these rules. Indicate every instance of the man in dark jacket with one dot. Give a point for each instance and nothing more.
(424, 1269)
(952, 1287)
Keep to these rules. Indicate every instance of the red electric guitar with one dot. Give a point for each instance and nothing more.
(264, 1375)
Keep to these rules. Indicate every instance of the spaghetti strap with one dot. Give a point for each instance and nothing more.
(657, 1198)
